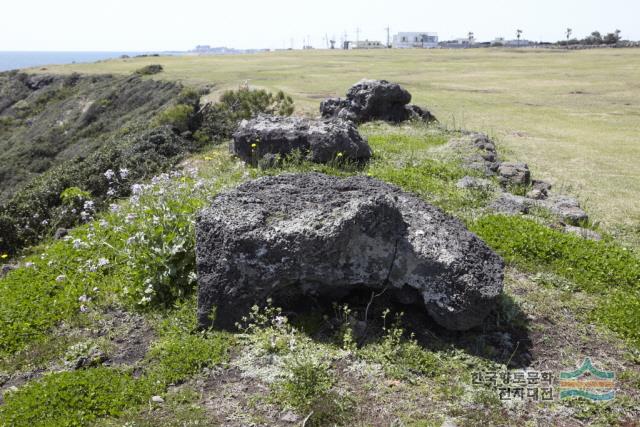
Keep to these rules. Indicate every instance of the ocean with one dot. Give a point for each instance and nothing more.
(15, 60)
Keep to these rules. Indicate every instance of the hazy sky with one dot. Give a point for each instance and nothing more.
(141, 25)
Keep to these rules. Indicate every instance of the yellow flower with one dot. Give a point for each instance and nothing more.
(208, 158)
(4, 256)
(339, 154)
(254, 145)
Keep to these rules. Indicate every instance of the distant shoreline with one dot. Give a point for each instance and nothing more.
(15, 60)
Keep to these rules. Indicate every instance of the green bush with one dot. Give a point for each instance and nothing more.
(74, 398)
(219, 120)
(150, 69)
(308, 389)
(38, 209)
(178, 116)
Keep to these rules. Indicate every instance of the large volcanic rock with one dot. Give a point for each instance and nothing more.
(320, 141)
(370, 100)
(312, 234)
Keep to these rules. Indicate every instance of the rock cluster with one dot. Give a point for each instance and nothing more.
(370, 100)
(312, 234)
(479, 153)
(320, 141)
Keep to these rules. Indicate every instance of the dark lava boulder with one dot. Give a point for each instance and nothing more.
(312, 234)
(320, 141)
(370, 100)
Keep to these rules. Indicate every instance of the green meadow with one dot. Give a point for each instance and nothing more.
(573, 116)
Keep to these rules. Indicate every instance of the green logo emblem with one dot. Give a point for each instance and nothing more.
(587, 382)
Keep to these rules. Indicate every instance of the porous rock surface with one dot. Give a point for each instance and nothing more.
(312, 234)
(370, 100)
(514, 174)
(319, 140)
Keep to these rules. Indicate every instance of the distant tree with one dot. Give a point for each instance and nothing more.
(518, 34)
(612, 38)
(567, 41)
(594, 39)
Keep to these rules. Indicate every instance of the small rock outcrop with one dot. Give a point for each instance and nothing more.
(539, 190)
(370, 100)
(312, 234)
(320, 141)
(566, 208)
(467, 182)
(514, 174)
(511, 204)
(478, 152)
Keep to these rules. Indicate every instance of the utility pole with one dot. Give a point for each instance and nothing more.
(388, 36)
(357, 36)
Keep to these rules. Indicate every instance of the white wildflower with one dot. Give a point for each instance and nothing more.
(61, 278)
(89, 205)
(111, 192)
(114, 208)
(84, 299)
(109, 174)
(104, 223)
(83, 308)
(44, 222)
(102, 262)
(124, 173)
(137, 189)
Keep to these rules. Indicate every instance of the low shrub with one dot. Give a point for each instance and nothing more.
(179, 116)
(401, 358)
(150, 69)
(220, 120)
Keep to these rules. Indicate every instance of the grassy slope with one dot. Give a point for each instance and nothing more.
(573, 116)
(267, 369)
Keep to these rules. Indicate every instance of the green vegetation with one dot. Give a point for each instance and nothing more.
(218, 121)
(150, 69)
(603, 268)
(402, 358)
(574, 124)
(74, 398)
(138, 256)
(178, 116)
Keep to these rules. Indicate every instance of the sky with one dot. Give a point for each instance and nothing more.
(163, 25)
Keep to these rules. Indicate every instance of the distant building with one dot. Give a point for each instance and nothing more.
(368, 44)
(415, 40)
(517, 43)
(460, 43)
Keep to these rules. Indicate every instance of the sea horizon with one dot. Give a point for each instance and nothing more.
(13, 60)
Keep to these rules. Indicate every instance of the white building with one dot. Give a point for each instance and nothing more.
(415, 40)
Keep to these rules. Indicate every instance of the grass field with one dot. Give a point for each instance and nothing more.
(573, 116)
